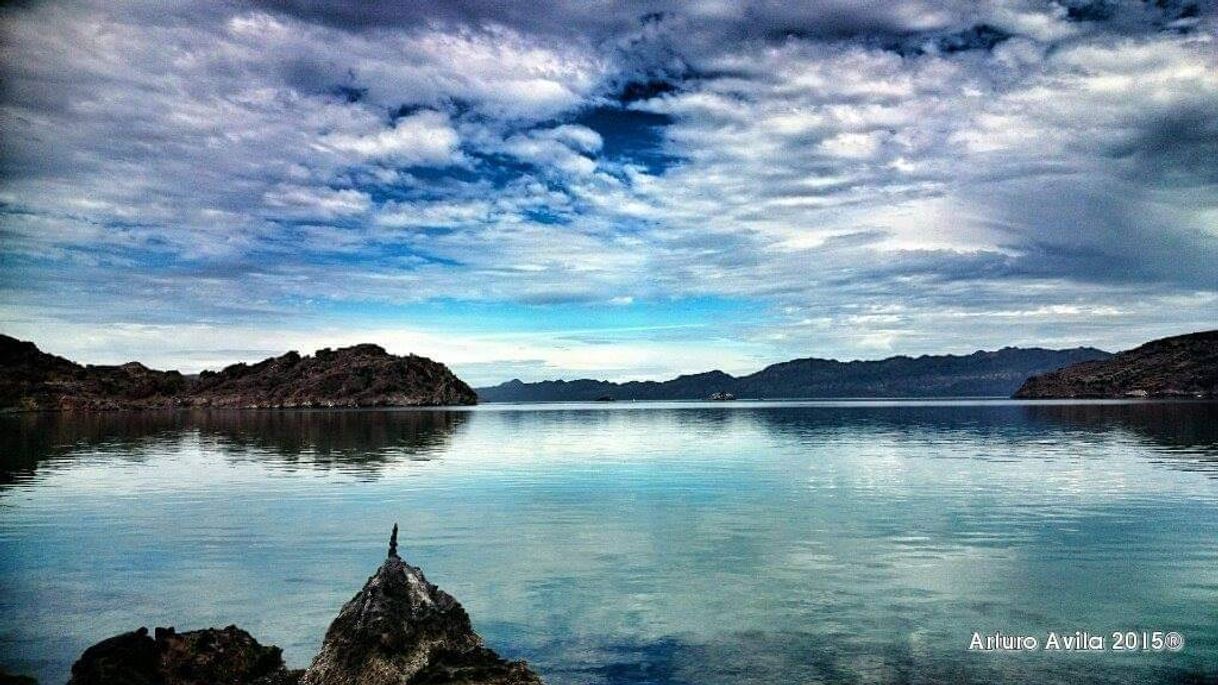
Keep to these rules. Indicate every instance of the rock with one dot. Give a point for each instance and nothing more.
(402, 630)
(1180, 366)
(32, 380)
(398, 630)
(359, 376)
(228, 656)
(9, 679)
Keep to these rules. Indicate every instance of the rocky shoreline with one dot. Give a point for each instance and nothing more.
(358, 376)
(1182, 366)
(399, 629)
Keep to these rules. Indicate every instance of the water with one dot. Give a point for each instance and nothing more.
(834, 542)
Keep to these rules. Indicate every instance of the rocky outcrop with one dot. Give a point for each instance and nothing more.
(359, 376)
(398, 630)
(33, 380)
(401, 630)
(216, 656)
(1180, 366)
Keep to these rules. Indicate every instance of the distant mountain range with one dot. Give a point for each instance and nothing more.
(1180, 366)
(980, 374)
(358, 376)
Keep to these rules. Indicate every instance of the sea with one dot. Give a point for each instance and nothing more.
(852, 541)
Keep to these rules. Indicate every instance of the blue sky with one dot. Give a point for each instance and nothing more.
(633, 190)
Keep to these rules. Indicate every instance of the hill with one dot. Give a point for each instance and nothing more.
(980, 374)
(358, 376)
(1180, 366)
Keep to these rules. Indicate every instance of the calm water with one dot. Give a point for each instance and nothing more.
(636, 543)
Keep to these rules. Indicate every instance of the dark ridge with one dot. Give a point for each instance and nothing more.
(981, 374)
(1180, 366)
(359, 376)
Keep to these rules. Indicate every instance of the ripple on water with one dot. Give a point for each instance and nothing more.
(839, 542)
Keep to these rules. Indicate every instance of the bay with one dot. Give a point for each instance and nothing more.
(663, 542)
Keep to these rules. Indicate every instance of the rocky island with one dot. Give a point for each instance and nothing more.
(358, 376)
(1179, 366)
(398, 630)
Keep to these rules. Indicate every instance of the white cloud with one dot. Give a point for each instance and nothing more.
(425, 138)
(210, 164)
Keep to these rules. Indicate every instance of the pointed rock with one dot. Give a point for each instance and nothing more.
(402, 630)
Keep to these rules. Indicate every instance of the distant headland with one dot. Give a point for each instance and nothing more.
(1179, 366)
(358, 376)
(980, 374)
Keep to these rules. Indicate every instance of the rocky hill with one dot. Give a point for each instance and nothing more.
(1180, 366)
(359, 376)
(980, 374)
(33, 380)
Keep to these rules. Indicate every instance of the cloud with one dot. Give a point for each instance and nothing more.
(422, 139)
(224, 164)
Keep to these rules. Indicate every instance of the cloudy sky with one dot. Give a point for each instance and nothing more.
(618, 190)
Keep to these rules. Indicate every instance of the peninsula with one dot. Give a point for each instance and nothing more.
(359, 376)
(1179, 366)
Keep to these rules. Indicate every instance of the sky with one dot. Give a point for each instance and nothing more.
(622, 190)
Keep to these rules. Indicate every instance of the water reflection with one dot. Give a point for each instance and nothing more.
(1185, 433)
(358, 441)
(362, 441)
(1173, 425)
(633, 544)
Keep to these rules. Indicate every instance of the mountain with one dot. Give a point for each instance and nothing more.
(1180, 366)
(359, 376)
(995, 374)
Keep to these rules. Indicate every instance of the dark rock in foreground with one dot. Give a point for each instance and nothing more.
(10, 679)
(1180, 366)
(359, 376)
(228, 656)
(398, 630)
